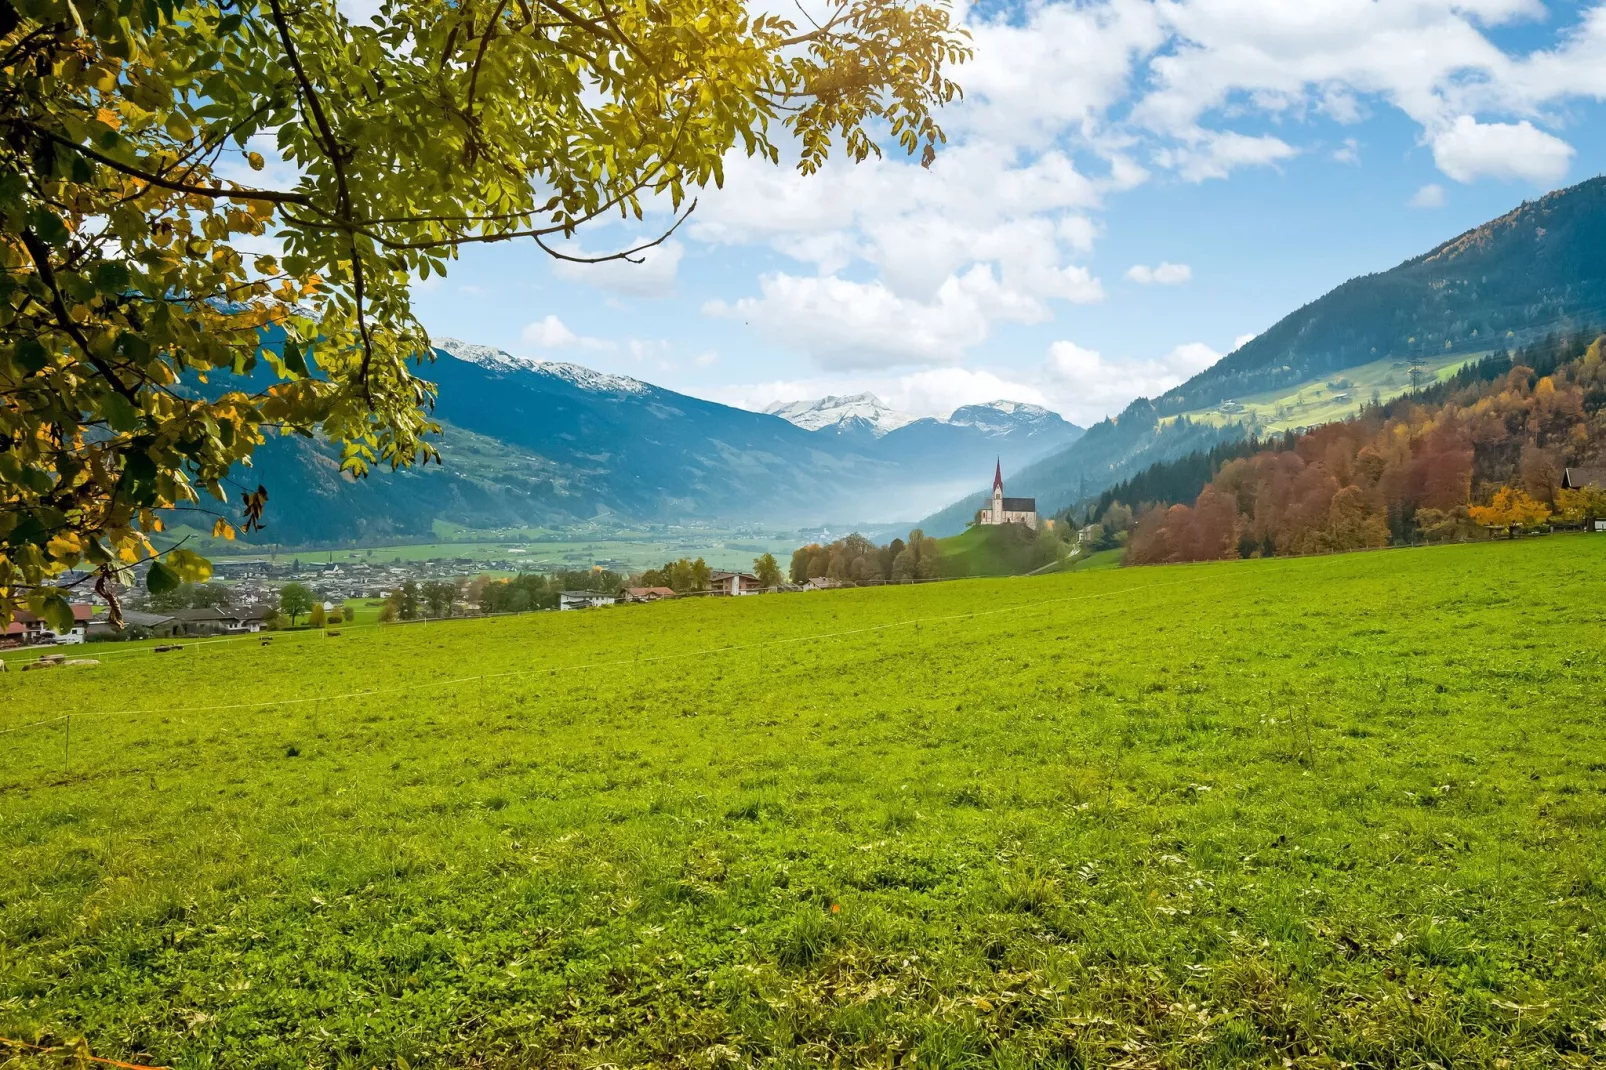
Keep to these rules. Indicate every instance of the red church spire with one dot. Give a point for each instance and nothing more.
(998, 475)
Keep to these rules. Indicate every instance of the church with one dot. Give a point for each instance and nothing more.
(1002, 510)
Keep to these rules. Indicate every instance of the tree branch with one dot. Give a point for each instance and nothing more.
(47, 274)
(243, 193)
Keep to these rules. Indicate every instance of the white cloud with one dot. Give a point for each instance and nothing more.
(1349, 152)
(1085, 382)
(549, 332)
(1167, 274)
(653, 276)
(1243, 340)
(1429, 196)
(1469, 150)
(845, 325)
(706, 359)
(1207, 154)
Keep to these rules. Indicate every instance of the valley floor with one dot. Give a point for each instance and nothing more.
(1295, 812)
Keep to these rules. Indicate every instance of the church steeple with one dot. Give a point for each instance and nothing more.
(998, 477)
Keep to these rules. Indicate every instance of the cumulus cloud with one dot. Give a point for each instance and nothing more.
(1469, 150)
(549, 332)
(1071, 103)
(1167, 274)
(1206, 154)
(1083, 380)
(1429, 196)
(845, 324)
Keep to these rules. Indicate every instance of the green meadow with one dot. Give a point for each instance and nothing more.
(1343, 811)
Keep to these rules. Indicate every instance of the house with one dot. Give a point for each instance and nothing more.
(824, 583)
(1579, 478)
(1002, 510)
(648, 594)
(733, 583)
(26, 629)
(585, 599)
(212, 621)
(137, 625)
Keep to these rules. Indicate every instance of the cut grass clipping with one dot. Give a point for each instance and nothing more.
(1321, 812)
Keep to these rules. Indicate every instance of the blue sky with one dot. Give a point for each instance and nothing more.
(1244, 156)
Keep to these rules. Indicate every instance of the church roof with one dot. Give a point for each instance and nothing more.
(1020, 505)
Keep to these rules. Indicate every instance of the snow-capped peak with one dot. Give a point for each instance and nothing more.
(840, 412)
(583, 377)
(999, 415)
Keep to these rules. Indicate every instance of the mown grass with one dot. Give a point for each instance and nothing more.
(1319, 812)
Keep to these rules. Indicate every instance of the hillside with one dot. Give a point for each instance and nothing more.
(1535, 270)
(1029, 822)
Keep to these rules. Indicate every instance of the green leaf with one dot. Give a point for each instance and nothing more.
(56, 612)
(161, 579)
(293, 358)
(31, 355)
(119, 413)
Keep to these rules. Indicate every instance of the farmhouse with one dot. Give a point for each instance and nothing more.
(137, 625)
(1002, 510)
(1579, 478)
(26, 629)
(733, 583)
(648, 594)
(585, 599)
(210, 621)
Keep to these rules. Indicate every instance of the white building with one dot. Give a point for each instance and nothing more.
(585, 599)
(1002, 510)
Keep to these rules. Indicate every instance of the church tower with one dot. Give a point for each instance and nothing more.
(998, 492)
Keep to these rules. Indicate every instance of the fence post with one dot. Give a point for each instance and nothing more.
(66, 745)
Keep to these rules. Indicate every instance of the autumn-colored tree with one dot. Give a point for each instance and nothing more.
(317, 617)
(1398, 473)
(767, 571)
(1511, 507)
(148, 344)
(1583, 503)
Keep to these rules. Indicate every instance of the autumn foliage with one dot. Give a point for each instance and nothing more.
(1488, 455)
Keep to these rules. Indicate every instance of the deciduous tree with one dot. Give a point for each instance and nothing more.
(170, 296)
(295, 600)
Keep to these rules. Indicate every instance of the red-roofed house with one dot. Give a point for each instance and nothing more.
(26, 629)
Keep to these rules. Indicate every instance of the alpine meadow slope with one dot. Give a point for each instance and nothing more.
(1536, 270)
(1315, 812)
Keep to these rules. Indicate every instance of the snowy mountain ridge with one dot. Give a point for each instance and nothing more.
(579, 375)
(872, 413)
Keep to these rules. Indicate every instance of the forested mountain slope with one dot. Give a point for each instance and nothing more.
(1539, 268)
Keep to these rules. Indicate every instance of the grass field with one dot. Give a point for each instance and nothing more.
(1330, 398)
(1346, 811)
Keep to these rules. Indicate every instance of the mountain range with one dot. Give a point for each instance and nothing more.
(529, 443)
(540, 443)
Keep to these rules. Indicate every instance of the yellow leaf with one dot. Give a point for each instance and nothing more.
(66, 544)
